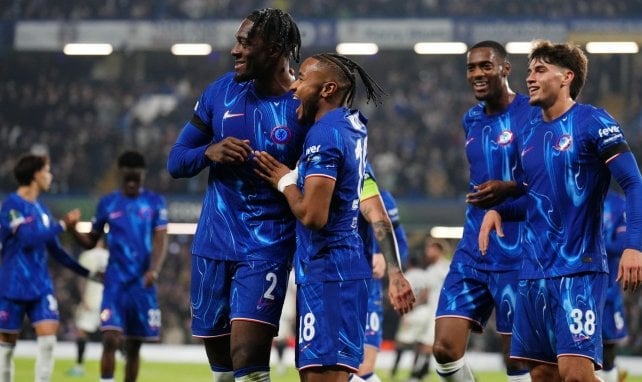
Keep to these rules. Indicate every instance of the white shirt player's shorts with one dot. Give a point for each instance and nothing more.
(88, 320)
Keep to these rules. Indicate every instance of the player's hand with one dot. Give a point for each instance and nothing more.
(229, 150)
(491, 193)
(378, 266)
(492, 221)
(629, 272)
(269, 168)
(150, 278)
(71, 218)
(400, 293)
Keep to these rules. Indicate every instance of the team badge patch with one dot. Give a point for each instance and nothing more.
(505, 138)
(280, 134)
(105, 315)
(564, 143)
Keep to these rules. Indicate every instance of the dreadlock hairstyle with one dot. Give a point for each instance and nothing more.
(277, 28)
(346, 68)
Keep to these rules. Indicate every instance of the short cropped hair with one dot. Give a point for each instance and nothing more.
(495, 46)
(131, 159)
(27, 167)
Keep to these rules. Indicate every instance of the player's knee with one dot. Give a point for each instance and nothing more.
(111, 342)
(444, 352)
(249, 355)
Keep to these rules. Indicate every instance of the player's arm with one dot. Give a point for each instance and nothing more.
(374, 211)
(159, 252)
(60, 254)
(512, 211)
(187, 156)
(312, 209)
(28, 232)
(624, 168)
(86, 240)
(493, 192)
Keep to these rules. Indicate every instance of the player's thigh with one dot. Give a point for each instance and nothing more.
(579, 315)
(465, 295)
(142, 314)
(503, 287)
(12, 313)
(331, 324)
(258, 291)
(210, 296)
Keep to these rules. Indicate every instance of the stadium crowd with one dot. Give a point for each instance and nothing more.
(202, 9)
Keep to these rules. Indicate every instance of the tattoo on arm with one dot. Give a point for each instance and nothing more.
(385, 235)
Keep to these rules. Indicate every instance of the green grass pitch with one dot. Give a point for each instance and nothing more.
(193, 372)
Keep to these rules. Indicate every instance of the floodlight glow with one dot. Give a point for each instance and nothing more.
(87, 49)
(357, 48)
(172, 228)
(191, 49)
(440, 48)
(440, 232)
(519, 47)
(613, 47)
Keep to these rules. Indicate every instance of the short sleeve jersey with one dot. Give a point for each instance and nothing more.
(492, 155)
(335, 147)
(243, 217)
(132, 222)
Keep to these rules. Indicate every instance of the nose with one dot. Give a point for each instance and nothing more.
(235, 50)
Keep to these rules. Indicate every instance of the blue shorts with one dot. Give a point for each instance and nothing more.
(131, 309)
(559, 316)
(222, 291)
(331, 321)
(12, 312)
(374, 321)
(613, 323)
(472, 294)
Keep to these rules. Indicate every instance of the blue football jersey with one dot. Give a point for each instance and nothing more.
(567, 180)
(335, 147)
(243, 217)
(492, 155)
(614, 228)
(28, 231)
(132, 222)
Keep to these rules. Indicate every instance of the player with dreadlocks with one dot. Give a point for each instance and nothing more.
(331, 267)
(245, 237)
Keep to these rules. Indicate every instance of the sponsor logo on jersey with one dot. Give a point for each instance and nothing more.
(312, 150)
(613, 129)
(280, 134)
(227, 114)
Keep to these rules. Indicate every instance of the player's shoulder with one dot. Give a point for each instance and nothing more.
(475, 113)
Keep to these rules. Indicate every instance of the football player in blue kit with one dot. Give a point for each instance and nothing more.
(331, 267)
(137, 244)
(245, 237)
(28, 232)
(569, 152)
(476, 285)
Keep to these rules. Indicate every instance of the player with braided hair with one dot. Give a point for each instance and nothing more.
(245, 240)
(323, 192)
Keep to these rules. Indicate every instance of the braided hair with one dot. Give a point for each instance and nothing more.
(277, 28)
(346, 68)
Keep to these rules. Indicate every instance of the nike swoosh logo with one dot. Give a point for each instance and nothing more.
(230, 115)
